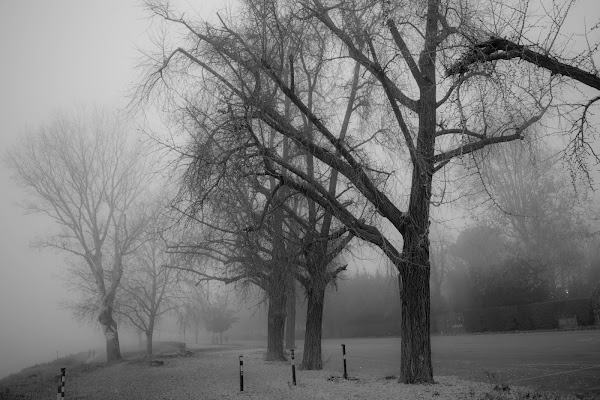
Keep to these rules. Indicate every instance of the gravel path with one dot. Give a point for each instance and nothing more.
(215, 375)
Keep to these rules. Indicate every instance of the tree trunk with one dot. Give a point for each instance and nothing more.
(312, 358)
(149, 333)
(276, 323)
(109, 328)
(415, 345)
(277, 283)
(290, 325)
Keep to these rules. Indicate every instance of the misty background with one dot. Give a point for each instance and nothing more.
(56, 55)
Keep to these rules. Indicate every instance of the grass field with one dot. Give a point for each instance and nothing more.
(560, 361)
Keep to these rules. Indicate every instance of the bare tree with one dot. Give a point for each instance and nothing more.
(225, 193)
(191, 312)
(82, 174)
(415, 123)
(228, 240)
(149, 290)
(218, 317)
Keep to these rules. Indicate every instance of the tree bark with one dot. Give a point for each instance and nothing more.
(149, 334)
(109, 328)
(276, 323)
(415, 345)
(290, 325)
(277, 283)
(312, 357)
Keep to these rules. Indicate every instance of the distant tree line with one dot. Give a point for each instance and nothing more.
(534, 243)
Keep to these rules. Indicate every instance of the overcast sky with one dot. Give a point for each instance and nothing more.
(57, 54)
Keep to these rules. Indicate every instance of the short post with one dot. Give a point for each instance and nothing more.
(241, 373)
(344, 353)
(61, 387)
(293, 367)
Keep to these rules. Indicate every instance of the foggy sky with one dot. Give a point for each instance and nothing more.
(57, 54)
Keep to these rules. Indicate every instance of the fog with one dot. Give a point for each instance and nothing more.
(58, 54)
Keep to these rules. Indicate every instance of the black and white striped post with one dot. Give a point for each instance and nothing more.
(344, 353)
(293, 367)
(241, 373)
(61, 388)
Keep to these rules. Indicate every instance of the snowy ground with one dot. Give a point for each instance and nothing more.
(465, 367)
(215, 375)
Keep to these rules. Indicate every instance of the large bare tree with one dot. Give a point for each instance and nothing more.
(81, 172)
(415, 122)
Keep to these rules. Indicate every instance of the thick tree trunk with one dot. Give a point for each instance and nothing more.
(277, 288)
(276, 323)
(149, 334)
(290, 324)
(109, 328)
(415, 347)
(312, 357)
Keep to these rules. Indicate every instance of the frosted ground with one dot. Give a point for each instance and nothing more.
(466, 367)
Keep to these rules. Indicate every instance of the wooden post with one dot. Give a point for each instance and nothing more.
(61, 387)
(241, 373)
(344, 353)
(293, 367)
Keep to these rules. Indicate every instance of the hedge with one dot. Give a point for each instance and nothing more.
(528, 316)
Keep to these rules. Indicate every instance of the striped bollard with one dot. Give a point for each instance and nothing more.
(241, 373)
(344, 353)
(61, 388)
(293, 367)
